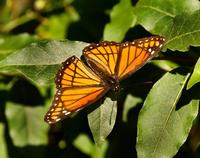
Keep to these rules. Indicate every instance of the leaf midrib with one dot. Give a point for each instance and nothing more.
(158, 10)
(168, 116)
(181, 35)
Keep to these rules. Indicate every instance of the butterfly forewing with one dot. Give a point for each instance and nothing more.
(135, 54)
(77, 86)
(104, 54)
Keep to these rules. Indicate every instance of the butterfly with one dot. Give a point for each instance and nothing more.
(80, 83)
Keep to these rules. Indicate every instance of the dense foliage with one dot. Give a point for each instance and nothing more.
(154, 116)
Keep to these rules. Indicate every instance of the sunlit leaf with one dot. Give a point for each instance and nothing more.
(166, 65)
(11, 24)
(88, 144)
(131, 102)
(185, 32)
(161, 128)
(51, 28)
(102, 120)
(122, 18)
(89, 147)
(40, 61)
(26, 124)
(3, 148)
(157, 16)
(195, 78)
(178, 23)
(9, 44)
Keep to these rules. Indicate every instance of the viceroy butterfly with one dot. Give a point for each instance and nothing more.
(80, 84)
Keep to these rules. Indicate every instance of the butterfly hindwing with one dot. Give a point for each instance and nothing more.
(77, 86)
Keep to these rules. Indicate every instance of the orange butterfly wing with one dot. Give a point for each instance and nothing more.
(123, 59)
(105, 55)
(136, 54)
(77, 87)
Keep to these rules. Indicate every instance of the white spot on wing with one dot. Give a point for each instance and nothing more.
(58, 119)
(66, 112)
(152, 52)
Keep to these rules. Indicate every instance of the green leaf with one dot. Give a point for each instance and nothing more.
(9, 44)
(88, 144)
(26, 125)
(131, 102)
(51, 28)
(122, 18)
(161, 128)
(40, 61)
(12, 23)
(195, 78)
(178, 24)
(157, 15)
(102, 120)
(89, 147)
(185, 32)
(3, 148)
(166, 65)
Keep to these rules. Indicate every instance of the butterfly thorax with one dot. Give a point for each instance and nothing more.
(113, 83)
